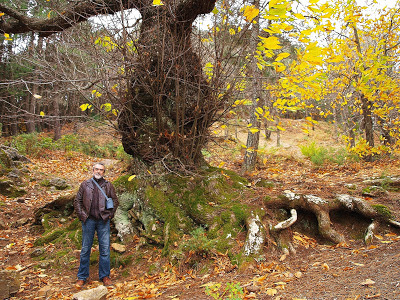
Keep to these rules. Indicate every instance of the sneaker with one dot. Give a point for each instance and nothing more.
(80, 283)
(107, 281)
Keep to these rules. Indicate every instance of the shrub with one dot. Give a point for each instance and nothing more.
(68, 142)
(233, 291)
(319, 155)
(316, 154)
(199, 243)
(31, 143)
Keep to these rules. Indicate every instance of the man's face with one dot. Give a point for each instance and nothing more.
(98, 171)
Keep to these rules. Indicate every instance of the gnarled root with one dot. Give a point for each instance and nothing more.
(282, 236)
(322, 207)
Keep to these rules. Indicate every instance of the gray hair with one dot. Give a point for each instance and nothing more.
(101, 164)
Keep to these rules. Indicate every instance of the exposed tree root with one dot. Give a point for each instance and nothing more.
(287, 223)
(255, 235)
(322, 208)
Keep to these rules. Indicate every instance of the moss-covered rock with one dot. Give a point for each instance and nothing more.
(12, 172)
(7, 188)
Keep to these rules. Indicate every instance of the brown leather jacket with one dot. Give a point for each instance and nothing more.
(83, 200)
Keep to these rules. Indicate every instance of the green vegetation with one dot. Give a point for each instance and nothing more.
(33, 144)
(198, 242)
(232, 291)
(320, 155)
(383, 211)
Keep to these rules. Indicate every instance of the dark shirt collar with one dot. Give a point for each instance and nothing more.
(99, 181)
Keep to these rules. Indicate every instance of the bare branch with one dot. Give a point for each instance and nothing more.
(17, 22)
(76, 13)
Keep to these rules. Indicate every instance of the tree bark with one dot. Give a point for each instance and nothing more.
(171, 106)
(57, 123)
(253, 139)
(366, 104)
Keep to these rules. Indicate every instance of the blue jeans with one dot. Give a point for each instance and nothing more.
(103, 236)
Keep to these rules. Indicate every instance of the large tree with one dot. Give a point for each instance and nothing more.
(168, 106)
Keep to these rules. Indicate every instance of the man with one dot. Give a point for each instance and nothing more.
(90, 206)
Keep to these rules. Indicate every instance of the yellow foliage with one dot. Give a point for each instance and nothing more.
(250, 12)
(271, 42)
(157, 2)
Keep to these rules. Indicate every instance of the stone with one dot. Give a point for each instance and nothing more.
(3, 225)
(91, 294)
(118, 247)
(58, 183)
(45, 264)
(253, 288)
(64, 203)
(7, 188)
(13, 155)
(21, 222)
(37, 252)
(44, 291)
(255, 236)
(9, 283)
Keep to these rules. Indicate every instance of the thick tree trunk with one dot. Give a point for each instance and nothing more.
(170, 106)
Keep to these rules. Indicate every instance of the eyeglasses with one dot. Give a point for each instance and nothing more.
(97, 169)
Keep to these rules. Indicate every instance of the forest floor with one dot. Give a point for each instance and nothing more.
(318, 270)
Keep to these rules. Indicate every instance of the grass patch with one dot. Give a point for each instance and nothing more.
(33, 144)
(320, 155)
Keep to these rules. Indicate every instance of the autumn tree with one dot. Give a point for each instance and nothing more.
(169, 105)
(345, 70)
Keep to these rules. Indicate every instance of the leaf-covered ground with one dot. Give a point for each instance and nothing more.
(316, 271)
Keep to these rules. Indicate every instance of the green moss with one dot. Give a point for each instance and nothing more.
(120, 260)
(169, 213)
(45, 220)
(7, 188)
(241, 212)
(198, 242)
(45, 182)
(74, 225)
(265, 183)
(173, 208)
(49, 237)
(383, 211)
(123, 184)
(62, 253)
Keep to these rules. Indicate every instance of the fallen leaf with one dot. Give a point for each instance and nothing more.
(208, 284)
(271, 292)
(298, 274)
(368, 282)
(131, 177)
